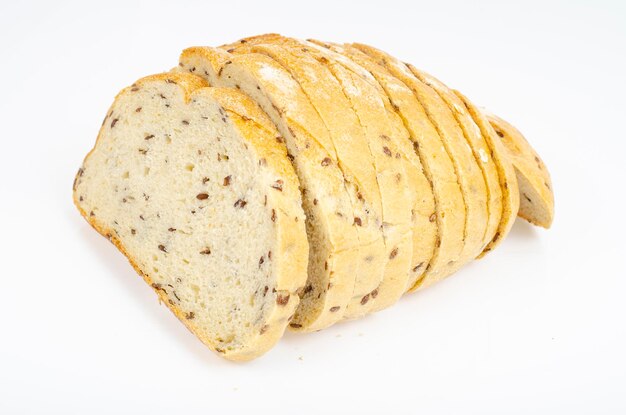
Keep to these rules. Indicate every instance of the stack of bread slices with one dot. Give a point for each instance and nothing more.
(275, 183)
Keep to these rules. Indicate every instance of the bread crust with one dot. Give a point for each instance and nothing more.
(291, 246)
(535, 185)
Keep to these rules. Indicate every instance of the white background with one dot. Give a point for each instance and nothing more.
(539, 326)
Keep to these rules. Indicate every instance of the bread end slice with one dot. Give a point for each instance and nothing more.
(533, 178)
(205, 205)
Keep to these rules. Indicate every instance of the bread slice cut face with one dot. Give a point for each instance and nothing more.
(193, 184)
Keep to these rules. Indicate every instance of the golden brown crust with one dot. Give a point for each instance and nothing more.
(215, 57)
(188, 83)
(241, 104)
(257, 39)
(537, 198)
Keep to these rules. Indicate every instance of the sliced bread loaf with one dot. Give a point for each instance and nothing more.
(351, 148)
(420, 206)
(506, 174)
(533, 178)
(333, 237)
(469, 176)
(397, 195)
(438, 166)
(423, 211)
(193, 185)
(477, 144)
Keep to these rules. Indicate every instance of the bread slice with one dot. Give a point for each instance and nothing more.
(353, 154)
(333, 238)
(506, 174)
(479, 147)
(438, 166)
(422, 207)
(193, 185)
(533, 178)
